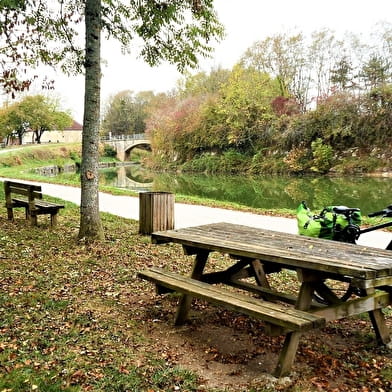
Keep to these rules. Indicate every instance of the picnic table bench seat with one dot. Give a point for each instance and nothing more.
(29, 197)
(277, 314)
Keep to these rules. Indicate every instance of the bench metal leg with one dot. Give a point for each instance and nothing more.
(186, 300)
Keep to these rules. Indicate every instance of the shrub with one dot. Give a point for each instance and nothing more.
(109, 151)
(322, 156)
(297, 160)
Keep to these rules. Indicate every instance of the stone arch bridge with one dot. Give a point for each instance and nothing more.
(124, 144)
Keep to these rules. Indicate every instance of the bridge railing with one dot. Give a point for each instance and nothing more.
(134, 136)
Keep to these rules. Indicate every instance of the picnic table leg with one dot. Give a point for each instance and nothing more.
(287, 355)
(186, 300)
(378, 321)
(260, 275)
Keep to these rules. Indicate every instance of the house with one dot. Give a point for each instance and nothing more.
(71, 134)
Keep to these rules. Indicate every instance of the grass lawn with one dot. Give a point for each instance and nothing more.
(74, 317)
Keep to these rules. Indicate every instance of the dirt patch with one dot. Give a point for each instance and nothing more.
(230, 352)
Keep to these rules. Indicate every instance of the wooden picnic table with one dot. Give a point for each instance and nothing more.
(257, 253)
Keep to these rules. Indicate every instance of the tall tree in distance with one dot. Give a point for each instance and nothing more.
(36, 32)
(125, 113)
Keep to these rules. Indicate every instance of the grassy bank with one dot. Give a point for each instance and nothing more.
(74, 317)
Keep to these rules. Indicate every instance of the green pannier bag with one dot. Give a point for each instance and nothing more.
(324, 225)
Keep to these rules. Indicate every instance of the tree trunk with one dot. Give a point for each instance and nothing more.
(38, 133)
(90, 222)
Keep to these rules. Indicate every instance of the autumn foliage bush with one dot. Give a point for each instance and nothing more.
(245, 124)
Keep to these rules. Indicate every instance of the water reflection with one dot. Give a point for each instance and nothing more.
(368, 193)
(131, 177)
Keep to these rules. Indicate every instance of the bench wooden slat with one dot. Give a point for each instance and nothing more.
(36, 194)
(277, 314)
(47, 204)
(19, 185)
(37, 203)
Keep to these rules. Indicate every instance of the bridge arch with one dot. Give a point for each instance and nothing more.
(124, 144)
(128, 149)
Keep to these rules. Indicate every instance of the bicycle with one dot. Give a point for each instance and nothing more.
(350, 232)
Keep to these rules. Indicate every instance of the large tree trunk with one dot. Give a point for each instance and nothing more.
(90, 222)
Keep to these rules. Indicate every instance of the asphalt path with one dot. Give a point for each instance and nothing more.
(186, 215)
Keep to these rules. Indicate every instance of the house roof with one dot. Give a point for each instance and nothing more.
(74, 127)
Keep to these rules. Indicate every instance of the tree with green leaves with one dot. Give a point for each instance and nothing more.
(125, 113)
(35, 113)
(36, 31)
(284, 57)
(341, 75)
(12, 123)
(376, 72)
(203, 83)
(43, 114)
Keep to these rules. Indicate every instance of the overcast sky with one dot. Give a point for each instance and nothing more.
(245, 21)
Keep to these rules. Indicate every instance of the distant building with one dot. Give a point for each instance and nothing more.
(72, 134)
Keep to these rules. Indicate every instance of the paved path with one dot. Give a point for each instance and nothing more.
(186, 215)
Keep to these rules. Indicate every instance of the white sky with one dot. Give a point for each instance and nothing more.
(245, 21)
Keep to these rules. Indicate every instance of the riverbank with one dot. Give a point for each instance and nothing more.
(187, 215)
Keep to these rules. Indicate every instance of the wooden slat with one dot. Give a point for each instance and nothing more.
(276, 314)
(262, 291)
(288, 250)
(377, 300)
(47, 204)
(156, 211)
(19, 185)
(25, 192)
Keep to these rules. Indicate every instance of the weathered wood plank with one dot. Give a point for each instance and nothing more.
(156, 211)
(269, 294)
(378, 282)
(288, 250)
(286, 317)
(356, 306)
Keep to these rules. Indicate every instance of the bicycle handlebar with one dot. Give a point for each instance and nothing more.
(386, 212)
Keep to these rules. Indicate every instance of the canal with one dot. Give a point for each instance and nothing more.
(267, 192)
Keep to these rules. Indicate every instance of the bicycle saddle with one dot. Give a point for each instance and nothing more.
(344, 210)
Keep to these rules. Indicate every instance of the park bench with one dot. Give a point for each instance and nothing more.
(29, 197)
(288, 318)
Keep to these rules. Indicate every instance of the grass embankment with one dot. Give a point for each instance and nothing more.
(74, 317)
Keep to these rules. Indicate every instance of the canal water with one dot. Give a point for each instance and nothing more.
(267, 192)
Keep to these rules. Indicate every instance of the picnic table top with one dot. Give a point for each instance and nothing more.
(287, 250)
